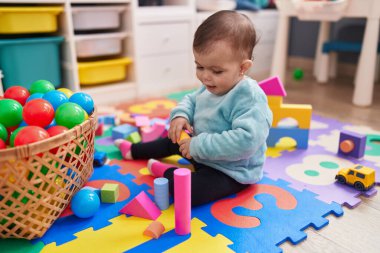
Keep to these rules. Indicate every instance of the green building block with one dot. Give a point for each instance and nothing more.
(109, 193)
(134, 137)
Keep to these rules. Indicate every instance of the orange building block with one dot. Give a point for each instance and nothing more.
(154, 230)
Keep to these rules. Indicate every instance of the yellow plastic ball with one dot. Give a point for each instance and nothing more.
(66, 91)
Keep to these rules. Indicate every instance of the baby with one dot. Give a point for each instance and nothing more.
(228, 117)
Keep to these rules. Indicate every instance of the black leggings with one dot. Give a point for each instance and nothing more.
(207, 184)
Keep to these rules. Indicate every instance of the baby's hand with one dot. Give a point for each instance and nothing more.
(176, 126)
(184, 148)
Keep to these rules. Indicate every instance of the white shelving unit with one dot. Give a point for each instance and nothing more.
(161, 57)
(159, 42)
(163, 35)
(112, 92)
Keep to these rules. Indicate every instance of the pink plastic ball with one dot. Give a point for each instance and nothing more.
(18, 93)
(38, 112)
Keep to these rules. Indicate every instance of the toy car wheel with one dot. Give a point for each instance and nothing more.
(359, 186)
(341, 179)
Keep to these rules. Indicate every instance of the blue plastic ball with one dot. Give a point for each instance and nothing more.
(56, 98)
(84, 100)
(34, 96)
(22, 124)
(85, 203)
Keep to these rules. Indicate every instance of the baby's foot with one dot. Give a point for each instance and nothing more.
(125, 148)
(157, 168)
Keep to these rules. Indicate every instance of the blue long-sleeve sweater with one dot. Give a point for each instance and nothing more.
(230, 131)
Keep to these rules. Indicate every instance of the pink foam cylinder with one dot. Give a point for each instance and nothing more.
(182, 201)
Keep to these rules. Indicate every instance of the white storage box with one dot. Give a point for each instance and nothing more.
(104, 44)
(97, 17)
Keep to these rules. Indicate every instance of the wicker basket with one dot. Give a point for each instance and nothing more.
(38, 182)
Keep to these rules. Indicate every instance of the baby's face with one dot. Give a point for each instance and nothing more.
(219, 69)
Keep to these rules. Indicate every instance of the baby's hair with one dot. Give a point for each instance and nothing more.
(230, 26)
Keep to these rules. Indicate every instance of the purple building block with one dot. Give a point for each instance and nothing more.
(358, 141)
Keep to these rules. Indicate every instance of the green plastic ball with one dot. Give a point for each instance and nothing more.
(41, 86)
(69, 115)
(3, 133)
(10, 112)
(13, 136)
(298, 74)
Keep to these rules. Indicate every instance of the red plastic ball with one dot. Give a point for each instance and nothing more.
(30, 134)
(2, 144)
(18, 93)
(55, 130)
(38, 112)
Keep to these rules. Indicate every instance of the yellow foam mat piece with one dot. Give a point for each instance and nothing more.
(285, 144)
(200, 241)
(125, 233)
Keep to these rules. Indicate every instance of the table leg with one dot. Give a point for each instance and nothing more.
(281, 48)
(323, 36)
(364, 81)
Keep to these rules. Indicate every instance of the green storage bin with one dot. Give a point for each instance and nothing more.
(26, 60)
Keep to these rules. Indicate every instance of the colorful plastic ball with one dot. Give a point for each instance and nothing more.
(30, 134)
(2, 144)
(85, 115)
(298, 74)
(38, 112)
(13, 136)
(52, 123)
(53, 131)
(41, 86)
(84, 100)
(66, 91)
(55, 98)
(69, 115)
(18, 93)
(3, 133)
(10, 112)
(34, 96)
(22, 124)
(85, 203)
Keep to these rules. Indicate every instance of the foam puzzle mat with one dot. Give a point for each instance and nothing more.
(298, 191)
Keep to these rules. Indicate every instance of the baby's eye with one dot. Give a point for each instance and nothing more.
(199, 68)
(217, 72)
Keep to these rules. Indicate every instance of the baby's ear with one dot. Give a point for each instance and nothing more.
(245, 65)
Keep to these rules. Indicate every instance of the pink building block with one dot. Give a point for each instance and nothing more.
(182, 201)
(273, 87)
(152, 133)
(142, 120)
(142, 206)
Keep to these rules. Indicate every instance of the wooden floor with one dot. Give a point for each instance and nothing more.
(358, 230)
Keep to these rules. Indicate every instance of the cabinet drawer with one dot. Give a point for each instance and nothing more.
(160, 73)
(164, 38)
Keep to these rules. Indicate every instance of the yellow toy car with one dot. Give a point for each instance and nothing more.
(361, 177)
